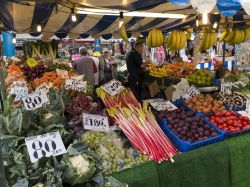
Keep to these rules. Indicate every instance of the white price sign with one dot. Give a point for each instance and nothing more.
(35, 100)
(164, 105)
(191, 92)
(95, 122)
(20, 92)
(226, 87)
(45, 145)
(248, 107)
(80, 86)
(43, 87)
(113, 87)
(19, 84)
(62, 73)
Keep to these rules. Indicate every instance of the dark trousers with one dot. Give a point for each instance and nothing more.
(135, 84)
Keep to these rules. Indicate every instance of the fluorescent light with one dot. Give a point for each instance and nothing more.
(215, 25)
(39, 28)
(132, 14)
(197, 22)
(73, 17)
(205, 18)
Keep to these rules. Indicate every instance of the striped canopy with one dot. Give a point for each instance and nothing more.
(55, 18)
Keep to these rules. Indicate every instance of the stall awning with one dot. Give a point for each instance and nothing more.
(24, 16)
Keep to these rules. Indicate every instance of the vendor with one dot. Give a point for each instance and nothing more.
(107, 67)
(135, 67)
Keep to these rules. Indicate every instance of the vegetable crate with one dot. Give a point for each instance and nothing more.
(185, 146)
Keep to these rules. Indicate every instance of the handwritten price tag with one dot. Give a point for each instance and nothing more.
(163, 105)
(113, 87)
(226, 87)
(248, 107)
(20, 92)
(45, 145)
(62, 73)
(192, 91)
(19, 84)
(80, 86)
(35, 100)
(95, 122)
(43, 87)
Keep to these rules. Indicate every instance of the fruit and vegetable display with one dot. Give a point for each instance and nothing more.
(189, 127)
(112, 151)
(155, 38)
(178, 69)
(230, 121)
(177, 40)
(201, 78)
(33, 72)
(205, 103)
(233, 99)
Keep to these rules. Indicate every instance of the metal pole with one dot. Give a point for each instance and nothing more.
(224, 44)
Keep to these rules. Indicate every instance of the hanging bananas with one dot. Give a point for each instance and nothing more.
(123, 32)
(209, 38)
(235, 36)
(177, 40)
(155, 38)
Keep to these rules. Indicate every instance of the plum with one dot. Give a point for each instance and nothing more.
(207, 133)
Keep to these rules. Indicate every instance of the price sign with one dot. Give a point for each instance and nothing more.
(43, 87)
(248, 107)
(226, 87)
(19, 84)
(80, 86)
(62, 73)
(95, 122)
(35, 100)
(113, 87)
(164, 105)
(192, 91)
(45, 145)
(20, 92)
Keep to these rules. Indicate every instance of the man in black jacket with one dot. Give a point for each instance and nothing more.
(135, 67)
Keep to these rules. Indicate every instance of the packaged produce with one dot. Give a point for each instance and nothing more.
(205, 103)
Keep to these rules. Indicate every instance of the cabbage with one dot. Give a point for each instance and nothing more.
(79, 167)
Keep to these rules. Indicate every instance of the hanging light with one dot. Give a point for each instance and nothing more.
(121, 21)
(73, 15)
(14, 39)
(39, 28)
(197, 22)
(215, 25)
(205, 18)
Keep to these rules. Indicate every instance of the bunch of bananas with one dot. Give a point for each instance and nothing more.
(188, 35)
(155, 38)
(123, 32)
(236, 36)
(208, 40)
(177, 40)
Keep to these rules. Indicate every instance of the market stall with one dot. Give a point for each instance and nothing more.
(188, 127)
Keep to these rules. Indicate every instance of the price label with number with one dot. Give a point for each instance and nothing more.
(192, 91)
(45, 145)
(43, 87)
(163, 105)
(95, 122)
(35, 100)
(62, 73)
(80, 86)
(20, 92)
(19, 84)
(113, 87)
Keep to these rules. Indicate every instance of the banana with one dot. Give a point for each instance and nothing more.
(202, 46)
(223, 36)
(150, 39)
(230, 37)
(247, 33)
(154, 38)
(169, 41)
(174, 39)
(159, 38)
(183, 40)
(242, 36)
(178, 41)
(123, 33)
(207, 41)
(188, 35)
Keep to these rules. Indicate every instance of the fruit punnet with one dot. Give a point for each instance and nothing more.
(200, 78)
(230, 121)
(189, 128)
(205, 103)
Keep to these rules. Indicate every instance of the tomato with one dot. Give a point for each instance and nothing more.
(230, 122)
(237, 129)
(241, 117)
(225, 125)
(232, 113)
(218, 114)
(220, 126)
(225, 129)
(227, 114)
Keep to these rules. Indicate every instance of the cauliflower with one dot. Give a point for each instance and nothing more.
(79, 167)
(80, 164)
